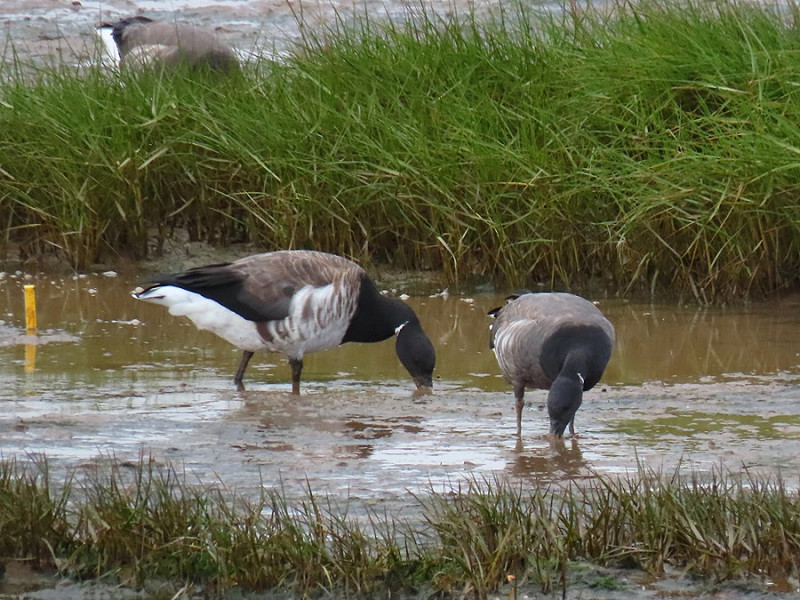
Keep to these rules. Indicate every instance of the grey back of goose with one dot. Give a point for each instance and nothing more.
(554, 341)
(142, 42)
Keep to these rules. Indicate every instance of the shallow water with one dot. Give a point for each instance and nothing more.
(108, 376)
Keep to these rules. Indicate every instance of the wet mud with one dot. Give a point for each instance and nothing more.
(108, 376)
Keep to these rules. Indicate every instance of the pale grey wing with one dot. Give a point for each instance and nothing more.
(142, 56)
(574, 310)
(560, 309)
(156, 33)
(178, 42)
(196, 46)
(518, 343)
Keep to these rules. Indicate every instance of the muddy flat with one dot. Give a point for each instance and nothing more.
(109, 377)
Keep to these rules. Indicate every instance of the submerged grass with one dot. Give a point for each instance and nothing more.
(137, 523)
(637, 147)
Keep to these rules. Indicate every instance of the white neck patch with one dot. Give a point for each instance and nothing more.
(399, 328)
(581, 378)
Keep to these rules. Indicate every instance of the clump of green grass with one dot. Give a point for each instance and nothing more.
(718, 527)
(33, 515)
(142, 523)
(139, 523)
(489, 530)
(637, 147)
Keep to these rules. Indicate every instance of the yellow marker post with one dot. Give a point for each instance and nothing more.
(30, 307)
(30, 324)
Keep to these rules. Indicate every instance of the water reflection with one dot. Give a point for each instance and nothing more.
(113, 376)
(558, 460)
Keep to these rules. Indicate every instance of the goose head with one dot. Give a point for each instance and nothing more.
(416, 353)
(563, 401)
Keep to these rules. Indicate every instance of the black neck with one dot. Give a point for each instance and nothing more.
(583, 349)
(377, 317)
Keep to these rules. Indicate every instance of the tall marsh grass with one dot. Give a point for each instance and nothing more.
(136, 524)
(650, 147)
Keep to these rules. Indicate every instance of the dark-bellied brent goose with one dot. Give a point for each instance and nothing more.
(141, 41)
(552, 341)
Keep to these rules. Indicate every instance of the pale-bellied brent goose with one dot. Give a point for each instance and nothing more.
(294, 302)
(141, 41)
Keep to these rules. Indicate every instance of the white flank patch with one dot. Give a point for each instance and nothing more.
(504, 346)
(507, 334)
(110, 54)
(318, 319)
(206, 314)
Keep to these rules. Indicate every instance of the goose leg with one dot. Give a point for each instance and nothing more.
(297, 368)
(572, 425)
(519, 392)
(237, 379)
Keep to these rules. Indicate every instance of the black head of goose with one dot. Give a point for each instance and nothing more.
(553, 341)
(141, 41)
(294, 302)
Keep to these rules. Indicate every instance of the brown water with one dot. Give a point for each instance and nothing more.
(108, 377)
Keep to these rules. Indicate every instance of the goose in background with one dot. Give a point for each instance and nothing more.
(552, 341)
(141, 41)
(293, 302)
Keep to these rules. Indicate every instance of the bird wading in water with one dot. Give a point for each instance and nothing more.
(553, 341)
(293, 302)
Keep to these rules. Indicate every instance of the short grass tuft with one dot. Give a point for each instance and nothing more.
(141, 523)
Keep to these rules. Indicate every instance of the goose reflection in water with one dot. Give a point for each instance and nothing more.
(557, 461)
